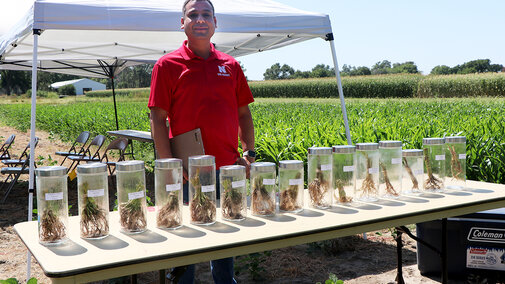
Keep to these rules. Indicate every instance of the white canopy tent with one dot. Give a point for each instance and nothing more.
(97, 38)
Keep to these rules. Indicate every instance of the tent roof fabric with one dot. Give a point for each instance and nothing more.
(75, 33)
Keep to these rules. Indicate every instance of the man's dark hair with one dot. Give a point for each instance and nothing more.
(187, 1)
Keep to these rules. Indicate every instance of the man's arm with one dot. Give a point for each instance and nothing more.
(160, 132)
(246, 134)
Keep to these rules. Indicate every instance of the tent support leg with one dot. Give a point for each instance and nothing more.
(114, 97)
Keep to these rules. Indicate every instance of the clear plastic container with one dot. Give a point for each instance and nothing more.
(390, 169)
(344, 173)
(233, 192)
(131, 195)
(168, 181)
(93, 199)
(263, 188)
(202, 189)
(52, 205)
(455, 162)
(291, 186)
(413, 171)
(367, 172)
(434, 164)
(320, 177)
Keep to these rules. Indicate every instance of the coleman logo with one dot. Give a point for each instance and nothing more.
(222, 71)
(490, 235)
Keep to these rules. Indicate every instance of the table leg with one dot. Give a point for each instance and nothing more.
(443, 252)
(131, 144)
(162, 276)
(399, 245)
(133, 279)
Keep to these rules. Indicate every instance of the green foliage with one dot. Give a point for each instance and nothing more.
(66, 90)
(278, 72)
(131, 93)
(348, 70)
(14, 82)
(471, 85)
(15, 281)
(42, 94)
(474, 66)
(253, 264)
(333, 279)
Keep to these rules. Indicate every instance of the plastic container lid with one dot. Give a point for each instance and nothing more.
(291, 164)
(93, 168)
(170, 163)
(320, 151)
(455, 139)
(232, 170)
(263, 167)
(412, 153)
(129, 166)
(433, 141)
(390, 144)
(202, 160)
(344, 149)
(367, 146)
(51, 171)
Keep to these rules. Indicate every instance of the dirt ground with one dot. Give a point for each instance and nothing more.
(352, 259)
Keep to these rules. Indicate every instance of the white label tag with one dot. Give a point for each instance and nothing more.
(462, 156)
(440, 157)
(297, 181)
(54, 196)
(135, 195)
(326, 167)
(485, 258)
(239, 183)
(418, 172)
(208, 188)
(173, 187)
(373, 170)
(269, 181)
(396, 161)
(96, 192)
(349, 168)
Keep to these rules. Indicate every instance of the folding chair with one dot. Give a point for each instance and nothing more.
(119, 144)
(73, 151)
(4, 150)
(21, 159)
(87, 156)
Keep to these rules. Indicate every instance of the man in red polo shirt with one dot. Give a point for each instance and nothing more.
(197, 86)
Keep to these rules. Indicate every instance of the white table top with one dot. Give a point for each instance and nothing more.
(144, 136)
(119, 254)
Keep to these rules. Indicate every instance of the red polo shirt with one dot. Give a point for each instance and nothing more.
(203, 94)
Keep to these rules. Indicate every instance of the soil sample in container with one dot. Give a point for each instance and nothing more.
(93, 200)
(344, 173)
(202, 189)
(291, 186)
(131, 193)
(168, 181)
(263, 188)
(233, 192)
(320, 177)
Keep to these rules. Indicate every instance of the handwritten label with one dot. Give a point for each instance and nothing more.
(54, 196)
(208, 188)
(269, 181)
(440, 157)
(239, 183)
(349, 168)
(297, 181)
(418, 172)
(326, 167)
(373, 170)
(462, 156)
(96, 192)
(135, 195)
(396, 161)
(173, 187)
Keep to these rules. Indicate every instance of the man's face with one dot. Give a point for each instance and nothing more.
(198, 22)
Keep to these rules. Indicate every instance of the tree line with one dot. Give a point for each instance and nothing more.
(139, 76)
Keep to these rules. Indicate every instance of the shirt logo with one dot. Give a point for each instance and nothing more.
(222, 71)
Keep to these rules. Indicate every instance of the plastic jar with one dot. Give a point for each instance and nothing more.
(93, 200)
(455, 162)
(168, 181)
(367, 172)
(320, 177)
(52, 205)
(434, 164)
(233, 192)
(390, 169)
(131, 195)
(263, 188)
(344, 173)
(202, 189)
(291, 186)
(413, 171)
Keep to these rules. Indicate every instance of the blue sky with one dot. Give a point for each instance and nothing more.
(428, 32)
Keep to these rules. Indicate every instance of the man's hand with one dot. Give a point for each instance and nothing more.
(246, 162)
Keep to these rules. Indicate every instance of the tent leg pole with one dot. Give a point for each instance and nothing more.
(33, 113)
(340, 93)
(114, 97)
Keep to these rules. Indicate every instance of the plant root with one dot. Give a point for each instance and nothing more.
(432, 183)
(51, 227)
(318, 188)
(389, 187)
(132, 217)
(169, 216)
(94, 222)
(456, 168)
(415, 183)
(262, 204)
